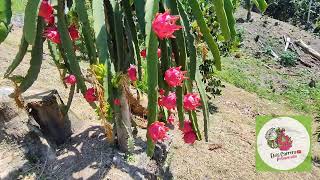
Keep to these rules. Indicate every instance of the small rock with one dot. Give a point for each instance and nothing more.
(240, 20)
(312, 83)
(238, 55)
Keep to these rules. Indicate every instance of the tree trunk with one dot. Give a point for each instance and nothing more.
(48, 111)
(123, 124)
(308, 49)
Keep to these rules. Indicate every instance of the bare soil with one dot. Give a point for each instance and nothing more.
(230, 154)
(264, 32)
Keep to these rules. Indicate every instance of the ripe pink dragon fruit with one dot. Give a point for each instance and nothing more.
(90, 95)
(170, 119)
(45, 10)
(189, 137)
(164, 25)
(157, 131)
(191, 101)
(159, 53)
(70, 79)
(143, 53)
(187, 127)
(284, 141)
(169, 101)
(117, 102)
(52, 34)
(74, 33)
(132, 72)
(161, 92)
(50, 20)
(174, 76)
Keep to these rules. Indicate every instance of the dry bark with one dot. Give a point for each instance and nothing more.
(308, 49)
(48, 111)
(123, 123)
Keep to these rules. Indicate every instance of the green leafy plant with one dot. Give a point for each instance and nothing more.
(5, 18)
(297, 12)
(288, 58)
(260, 4)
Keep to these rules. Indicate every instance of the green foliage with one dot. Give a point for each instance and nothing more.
(261, 5)
(68, 47)
(36, 59)
(206, 33)
(139, 7)
(30, 21)
(295, 11)
(18, 6)
(143, 83)
(5, 19)
(228, 6)
(203, 95)
(19, 57)
(222, 18)
(253, 76)
(100, 31)
(81, 8)
(152, 68)
(288, 58)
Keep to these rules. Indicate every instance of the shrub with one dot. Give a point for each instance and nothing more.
(288, 58)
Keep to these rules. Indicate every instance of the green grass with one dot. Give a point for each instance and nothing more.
(252, 75)
(18, 6)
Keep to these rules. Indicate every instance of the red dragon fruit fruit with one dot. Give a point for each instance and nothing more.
(70, 79)
(52, 34)
(170, 119)
(187, 127)
(74, 33)
(174, 76)
(132, 72)
(45, 10)
(117, 102)
(169, 101)
(189, 137)
(157, 131)
(191, 101)
(143, 53)
(90, 95)
(164, 25)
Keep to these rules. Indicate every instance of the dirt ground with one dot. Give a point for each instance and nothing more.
(265, 32)
(230, 154)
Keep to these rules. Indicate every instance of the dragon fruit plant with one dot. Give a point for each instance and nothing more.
(115, 36)
(5, 18)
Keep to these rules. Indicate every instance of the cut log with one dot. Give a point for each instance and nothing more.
(308, 49)
(47, 109)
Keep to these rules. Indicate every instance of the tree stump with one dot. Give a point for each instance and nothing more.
(47, 109)
(123, 124)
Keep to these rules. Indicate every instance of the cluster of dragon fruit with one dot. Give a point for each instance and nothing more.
(164, 25)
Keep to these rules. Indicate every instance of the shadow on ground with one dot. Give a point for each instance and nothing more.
(87, 155)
